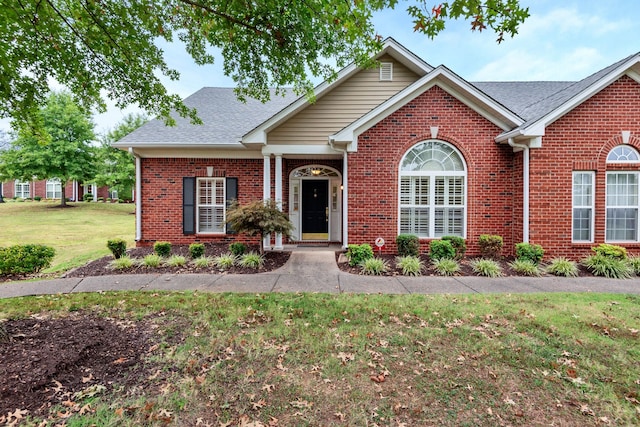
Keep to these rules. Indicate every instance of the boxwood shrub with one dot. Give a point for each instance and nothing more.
(25, 259)
(408, 245)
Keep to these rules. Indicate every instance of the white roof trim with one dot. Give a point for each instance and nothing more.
(533, 129)
(390, 47)
(448, 81)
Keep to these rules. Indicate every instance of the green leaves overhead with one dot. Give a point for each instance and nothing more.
(109, 48)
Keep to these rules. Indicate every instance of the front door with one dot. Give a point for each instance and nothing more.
(315, 209)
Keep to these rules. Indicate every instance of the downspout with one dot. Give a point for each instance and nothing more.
(525, 188)
(138, 196)
(345, 194)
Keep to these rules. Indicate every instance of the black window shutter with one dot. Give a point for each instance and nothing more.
(231, 196)
(189, 205)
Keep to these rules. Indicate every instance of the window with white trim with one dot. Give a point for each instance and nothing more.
(210, 200)
(433, 191)
(623, 154)
(53, 189)
(622, 207)
(22, 189)
(583, 206)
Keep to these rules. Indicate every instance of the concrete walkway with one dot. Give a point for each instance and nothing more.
(315, 270)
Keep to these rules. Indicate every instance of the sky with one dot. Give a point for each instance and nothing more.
(561, 40)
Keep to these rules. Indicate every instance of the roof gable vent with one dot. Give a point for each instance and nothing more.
(386, 71)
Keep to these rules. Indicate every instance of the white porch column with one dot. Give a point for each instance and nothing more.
(94, 191)
(345, 200)
(278, 245)
(266, 192)
(525, 187)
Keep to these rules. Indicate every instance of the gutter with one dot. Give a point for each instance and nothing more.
(138, 194)
(525, 188)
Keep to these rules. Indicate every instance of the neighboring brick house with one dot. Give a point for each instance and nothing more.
(51, 189)
(406, 148)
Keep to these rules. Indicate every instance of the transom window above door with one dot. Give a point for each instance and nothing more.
(313, 171)
(433, 191)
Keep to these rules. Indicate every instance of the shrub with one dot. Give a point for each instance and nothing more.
(202, 262)
(408, 245)
(446, 266)
(458, 244)
(490, 245)
(37, 198)
(613, 268)
(87, 197)
(525, 267)
(225, 261)
(162, 248)
(196, 250)
(486, 267)
(410, 265)
(634, 263)
(152, 260)
(562, 267)
(610, 251)
(260, 217)
(530, 252)
(175, 261)
(118, 247)
(122, 263)
(374, 266)
(356, 254)
(101, 199)
(238, 248)
(439, 249)
(25, 259)
(252, 260)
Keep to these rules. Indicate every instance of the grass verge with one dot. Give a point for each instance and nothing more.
(78, 234)
(316, 359)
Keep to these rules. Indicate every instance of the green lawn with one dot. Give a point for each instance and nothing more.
(78, 234)
(358, 360)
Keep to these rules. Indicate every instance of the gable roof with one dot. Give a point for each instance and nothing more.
(225, 119)
(449, 81)
(548, 109)
(390, 47)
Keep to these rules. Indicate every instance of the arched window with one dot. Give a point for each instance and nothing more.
(433, 191)
(623, 197)
(623, 154)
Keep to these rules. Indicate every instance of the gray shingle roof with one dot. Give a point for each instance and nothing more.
(225, 119)
(518, 96)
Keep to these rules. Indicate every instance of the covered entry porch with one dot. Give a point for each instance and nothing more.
(312, 190)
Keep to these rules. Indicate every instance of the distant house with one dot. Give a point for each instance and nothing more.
(52, 189)
(406, 148)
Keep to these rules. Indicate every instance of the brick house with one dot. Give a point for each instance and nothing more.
(51, 189)
(406, 148)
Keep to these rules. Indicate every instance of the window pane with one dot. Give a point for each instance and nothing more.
(448, 222)
(622, 224)
(623, 153)
(211, 219)
(415, 221)
(622, 189)
(582, 224)
(421, 191)
(582, 189)
(211, 205)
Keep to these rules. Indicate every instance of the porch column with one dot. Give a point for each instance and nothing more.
(278, 245)
(266, 192)
(345, 200)
(94, 191)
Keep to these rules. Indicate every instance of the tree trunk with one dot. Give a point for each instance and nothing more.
(63, 195)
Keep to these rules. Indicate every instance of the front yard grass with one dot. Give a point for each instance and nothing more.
(316, 359)
(78, 234)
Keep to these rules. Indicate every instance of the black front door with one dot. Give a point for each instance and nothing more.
(315, 203)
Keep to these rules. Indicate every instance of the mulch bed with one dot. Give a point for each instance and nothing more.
(102, 267)
(49, 361)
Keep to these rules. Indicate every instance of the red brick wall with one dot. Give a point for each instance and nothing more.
(580, 141)
(373, 170)
(162, 195)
